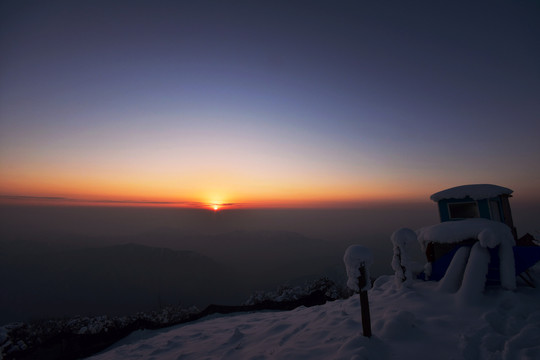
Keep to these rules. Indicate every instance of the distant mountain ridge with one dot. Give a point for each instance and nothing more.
(120, 279)
(49, 279)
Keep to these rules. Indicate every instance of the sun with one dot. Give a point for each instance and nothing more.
(216, 205)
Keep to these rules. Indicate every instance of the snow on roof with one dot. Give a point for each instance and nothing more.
(475, 191)
(490, 233)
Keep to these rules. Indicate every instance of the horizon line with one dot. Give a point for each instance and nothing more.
(32, 200)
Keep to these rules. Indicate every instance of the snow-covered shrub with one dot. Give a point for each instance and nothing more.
(16, 338)
(285, 293)
(331, 290)
(168, 314)
(402, 264)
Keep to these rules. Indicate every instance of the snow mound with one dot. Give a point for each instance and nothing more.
(357, 256)
(402, 264)
(475, 192)
(451, 281)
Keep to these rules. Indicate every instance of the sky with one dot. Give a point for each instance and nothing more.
(266, 103)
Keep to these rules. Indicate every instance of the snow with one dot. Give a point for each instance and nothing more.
(507, 266)
(451, 281)
(407, 323)
(475, 191)
(474, 277)
(402, 264)
(490, 233)
(357, 256)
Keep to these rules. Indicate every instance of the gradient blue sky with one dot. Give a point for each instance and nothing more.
(268, 102)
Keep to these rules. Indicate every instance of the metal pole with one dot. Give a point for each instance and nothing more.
(364, 303)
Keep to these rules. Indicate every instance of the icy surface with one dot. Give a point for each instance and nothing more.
(407, 323)
(475, 191)
(355, 257)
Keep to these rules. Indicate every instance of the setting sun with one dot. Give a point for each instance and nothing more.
(215, 207)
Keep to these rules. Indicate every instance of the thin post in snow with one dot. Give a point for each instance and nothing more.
(357, 261)
(364, 302)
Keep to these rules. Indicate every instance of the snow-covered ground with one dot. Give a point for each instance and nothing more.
(418, 321)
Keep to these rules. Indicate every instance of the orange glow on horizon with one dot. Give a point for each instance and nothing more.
(232, 192)
(246, 203)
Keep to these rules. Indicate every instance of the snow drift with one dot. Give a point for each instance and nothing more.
(408, 323)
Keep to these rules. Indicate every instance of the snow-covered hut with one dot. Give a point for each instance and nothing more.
(475, 201)
(476, 217)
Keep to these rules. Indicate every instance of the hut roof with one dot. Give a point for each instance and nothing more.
(474, 191)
